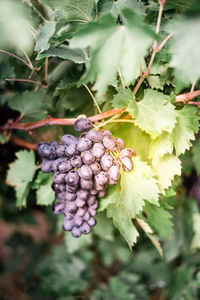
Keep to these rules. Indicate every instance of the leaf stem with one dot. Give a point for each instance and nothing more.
(17, 57)
(121, 78)
(95, 102)
(21, 143)
(46, 69)
(27, 80)
(28, 59)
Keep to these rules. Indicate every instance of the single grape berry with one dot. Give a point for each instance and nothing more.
(119, 144)
(46, 165)
(58, 208)
(127, 152)
(109, 143)
(86, 184)
(95, 167)
(88, 157)
(72, 178)
(83, 194)
(84, 144)
(106, 162)
(69, 139)
(85, 172)
(101, 178)
(76, 161)
(67, 224)
(95, 136)
(76, 232)
(127, 163)
(82, 124)
(114, 172)
(98, 150)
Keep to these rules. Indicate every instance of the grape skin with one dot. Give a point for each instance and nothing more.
(106, 162)
(46, 165)
(98, 150)
(85, 172)
(127, 163)
(82, 124)
(69, 139)
(84, 144)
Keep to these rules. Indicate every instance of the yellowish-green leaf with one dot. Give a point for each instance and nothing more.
(137, 186)
(45, 195)
(20, 174)
(196, 227)
(161, 145)
(154, 114)
(166, 168)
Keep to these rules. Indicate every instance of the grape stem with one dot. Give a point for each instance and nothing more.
(95, 101)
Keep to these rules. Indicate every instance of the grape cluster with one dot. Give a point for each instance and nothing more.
(83, 167)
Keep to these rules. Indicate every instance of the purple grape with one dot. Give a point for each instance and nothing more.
(71, 150)
(98, 150)
(101, 194)
(64, 166)
(86, 184)
(84, 144)
(46, 165)
(58, 188)
(67, 224)
(114, 172)
(68, 215)
(92, 211)
(80, 202)
(72, 178)
(101, 178)
(83, 194)
(85, 228)
(106, 162)
(70, 196)
(78, 221)
(59, 177)
(69, 139)
(109, 143)
(43, 149)
(111, 181)
(60, 150)
(106, 133)
(60, 196)
(119, 144)
(85, 172)
(91, 200)
(99, 187)
(86, 216)
(58, 208)
(71, 189)
(94, 136)
(82, 124)
(76, 161)
(127, 152)
(88, 157)
(81, 211)
(95, 167)
(76, 232)
(95, 205)
(91, 222)
(57, 162)
(127, 163)
(53, 147)
(93, 192)
(71, 206)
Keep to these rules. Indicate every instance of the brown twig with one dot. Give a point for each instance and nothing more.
(21, 143)
(27, 80)
(17, 57)
(46, 69)
(188, 96)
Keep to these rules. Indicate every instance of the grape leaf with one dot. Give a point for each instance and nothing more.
(185, 57)
(110, 198)
(137, 186)
(104, 228)
(44, 195)
(20, 174)
(122, 98)
(196, 156)
(154, 113)
(161, 145)
(123, 222)
(30, 104)
(155, 82)
(134, 138)
(186, 127)
(6, 70)
(166, 168)
(46, 32)
(196, 227)
(187, 124)
(159, 219)
(74, 10)
(76, 55)
(127, 45)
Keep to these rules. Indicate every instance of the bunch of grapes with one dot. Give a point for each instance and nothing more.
(83, 167)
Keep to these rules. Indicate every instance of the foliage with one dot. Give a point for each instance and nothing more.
(113, 47)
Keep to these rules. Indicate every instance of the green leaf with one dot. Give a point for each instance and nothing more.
(137, 186)
(73, 244)
(127, 45)
(159, 219)
(30, 104)
(134, 138)
(122, 98)
(110, 198)
(187, 125)
(20, 174)
(123, 222)
(6, 70)
(154, 113)
(155, 82)
(104, 228)
(44, 195)
(185, 57)
(196, 227)
(196, 157)
(74, 10)
(76, 55)
(166, 168)
(46, 32)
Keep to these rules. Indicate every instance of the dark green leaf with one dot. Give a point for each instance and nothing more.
(46, 32)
